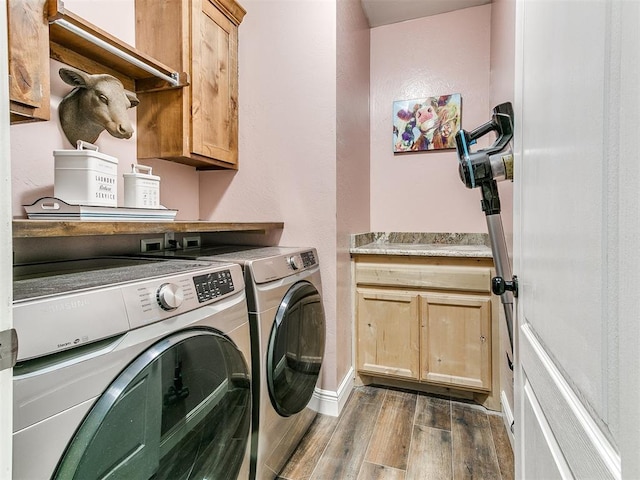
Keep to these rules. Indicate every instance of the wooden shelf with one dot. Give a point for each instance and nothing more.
(57, 228)
(69, 48)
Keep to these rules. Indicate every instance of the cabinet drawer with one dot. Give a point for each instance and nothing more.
(443, 277)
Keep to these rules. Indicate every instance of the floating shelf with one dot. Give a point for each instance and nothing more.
(56, 228)
(76, 42)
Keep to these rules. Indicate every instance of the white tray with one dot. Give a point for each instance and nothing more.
(51, 208)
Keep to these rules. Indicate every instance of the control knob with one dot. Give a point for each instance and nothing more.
(295, 262)
(169, 296)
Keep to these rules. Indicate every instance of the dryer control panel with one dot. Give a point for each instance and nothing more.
(284, 264)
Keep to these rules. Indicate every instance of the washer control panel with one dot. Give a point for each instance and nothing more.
(213, 285)
(153, 300)
(52, 323)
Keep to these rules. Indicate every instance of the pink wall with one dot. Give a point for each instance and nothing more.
(431, 56)
(503, 13)
(352, 170)
(503, 42)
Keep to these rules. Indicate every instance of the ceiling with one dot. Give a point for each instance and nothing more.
(384, 12)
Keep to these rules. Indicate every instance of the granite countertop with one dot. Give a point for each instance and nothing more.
(468, 245)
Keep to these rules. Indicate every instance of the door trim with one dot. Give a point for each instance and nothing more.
(573, 427)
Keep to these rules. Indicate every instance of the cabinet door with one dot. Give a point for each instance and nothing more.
(214, 102)
(28, 60)
(456, 340)
(388, 333)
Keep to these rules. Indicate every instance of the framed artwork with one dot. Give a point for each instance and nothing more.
(426, 123)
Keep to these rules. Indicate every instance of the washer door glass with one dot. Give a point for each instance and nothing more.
(181, 410)
(296, 348)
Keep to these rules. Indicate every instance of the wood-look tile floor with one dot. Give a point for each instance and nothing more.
(385, 434)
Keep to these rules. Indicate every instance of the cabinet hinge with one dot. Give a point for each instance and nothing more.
(8, 348)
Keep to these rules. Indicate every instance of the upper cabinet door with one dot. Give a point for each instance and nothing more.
(214, 80)
(197, 125)
(28, 60)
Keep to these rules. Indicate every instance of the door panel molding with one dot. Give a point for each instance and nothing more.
(549, 461)
(586, 448)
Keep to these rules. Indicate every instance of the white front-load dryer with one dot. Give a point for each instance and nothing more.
(131, 369)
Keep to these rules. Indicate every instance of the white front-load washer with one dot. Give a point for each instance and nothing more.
(288, 333)
(131, 369)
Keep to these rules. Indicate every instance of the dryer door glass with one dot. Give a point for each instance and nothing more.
(181, 410)
(296, 348)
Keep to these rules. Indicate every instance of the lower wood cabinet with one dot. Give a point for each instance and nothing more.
(388, 333)
(427, 321)
(456, 340)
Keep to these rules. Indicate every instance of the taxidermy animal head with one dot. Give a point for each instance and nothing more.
(97, 103)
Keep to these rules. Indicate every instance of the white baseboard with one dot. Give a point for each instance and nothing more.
(329, 402)
(507, 416)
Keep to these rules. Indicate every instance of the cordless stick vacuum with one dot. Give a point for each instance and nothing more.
(484, 169)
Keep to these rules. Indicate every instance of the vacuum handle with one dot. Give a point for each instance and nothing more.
(503, 120)
(501, 123)
(481, 131)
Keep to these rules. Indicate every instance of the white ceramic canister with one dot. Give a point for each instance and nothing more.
(141, 188)
(85, 176)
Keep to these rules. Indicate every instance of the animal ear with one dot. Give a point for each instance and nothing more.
(132, 98)
(404, 115)
(73, 77)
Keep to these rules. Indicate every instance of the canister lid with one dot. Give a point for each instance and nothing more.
(136, 172)
(85, 150)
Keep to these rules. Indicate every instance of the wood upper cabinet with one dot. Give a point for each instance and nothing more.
(426, 320)
(43, 29)
(28, 60)
(196, 125)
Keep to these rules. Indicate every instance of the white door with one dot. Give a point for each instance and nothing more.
(6, 395)
(577, 239)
